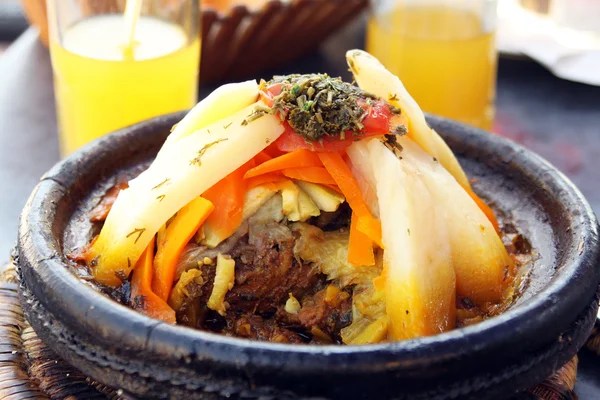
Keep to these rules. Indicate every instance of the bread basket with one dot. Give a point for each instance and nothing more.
(243, 40)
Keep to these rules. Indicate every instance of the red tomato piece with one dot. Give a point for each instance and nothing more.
(377, 122)
(270, 93)
(275, 89)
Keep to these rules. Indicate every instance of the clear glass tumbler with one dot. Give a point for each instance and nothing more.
(101, 84)
(443, 51)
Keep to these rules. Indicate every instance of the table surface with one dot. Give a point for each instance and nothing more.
(558, 119)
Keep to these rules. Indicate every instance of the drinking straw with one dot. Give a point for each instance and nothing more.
(133, 9)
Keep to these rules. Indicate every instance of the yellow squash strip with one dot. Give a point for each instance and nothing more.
(420, 287)
(484, 270)
(222, 102)
(185, 170)
(178, 234)
(373, 77)
(224, 280)
(160, 235)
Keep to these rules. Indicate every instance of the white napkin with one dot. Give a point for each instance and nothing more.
(569, 54)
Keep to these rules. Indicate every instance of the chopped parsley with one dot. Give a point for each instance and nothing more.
(317, 105)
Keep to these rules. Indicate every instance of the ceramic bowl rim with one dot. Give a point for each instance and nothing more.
(482, 336)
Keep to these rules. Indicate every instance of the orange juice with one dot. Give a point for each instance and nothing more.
(444, 56)
(99, 87)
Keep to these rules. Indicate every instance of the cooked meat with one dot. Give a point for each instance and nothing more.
(191, 313)
(264, 275)
(333, 221)
(266, 272)
(100, 212)
(320, 310)
(193, 252)
(265, 329)
(329, 315)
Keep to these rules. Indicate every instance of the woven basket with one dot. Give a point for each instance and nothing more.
(243, 40)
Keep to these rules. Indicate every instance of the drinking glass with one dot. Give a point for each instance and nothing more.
(538, 6)
(101, 84)
(443, 51)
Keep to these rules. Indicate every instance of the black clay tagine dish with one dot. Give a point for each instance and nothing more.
(305, 238)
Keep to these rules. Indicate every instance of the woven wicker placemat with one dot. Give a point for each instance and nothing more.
(30, 370)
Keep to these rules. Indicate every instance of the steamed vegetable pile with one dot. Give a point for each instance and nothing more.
(305, 208)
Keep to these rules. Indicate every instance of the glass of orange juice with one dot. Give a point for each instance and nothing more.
(443, 51)
(102, 81)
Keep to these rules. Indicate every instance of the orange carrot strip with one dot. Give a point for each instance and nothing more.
(310, 174)
(143, 298)
(489, 213)
(360, 248)
(178, 234)
(370, 226)
(265, 178)
(339, 171)
(227, 196)
(295, 159)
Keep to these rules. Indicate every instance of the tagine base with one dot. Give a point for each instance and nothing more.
(31, 370)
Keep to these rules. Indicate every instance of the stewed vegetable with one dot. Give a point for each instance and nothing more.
(306, 209)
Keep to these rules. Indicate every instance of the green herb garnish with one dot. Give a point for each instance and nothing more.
(317, 105)
(400, 130)
(391, 142)
(198, 159)
(161, 184)
(138, 231)
(258, 112)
